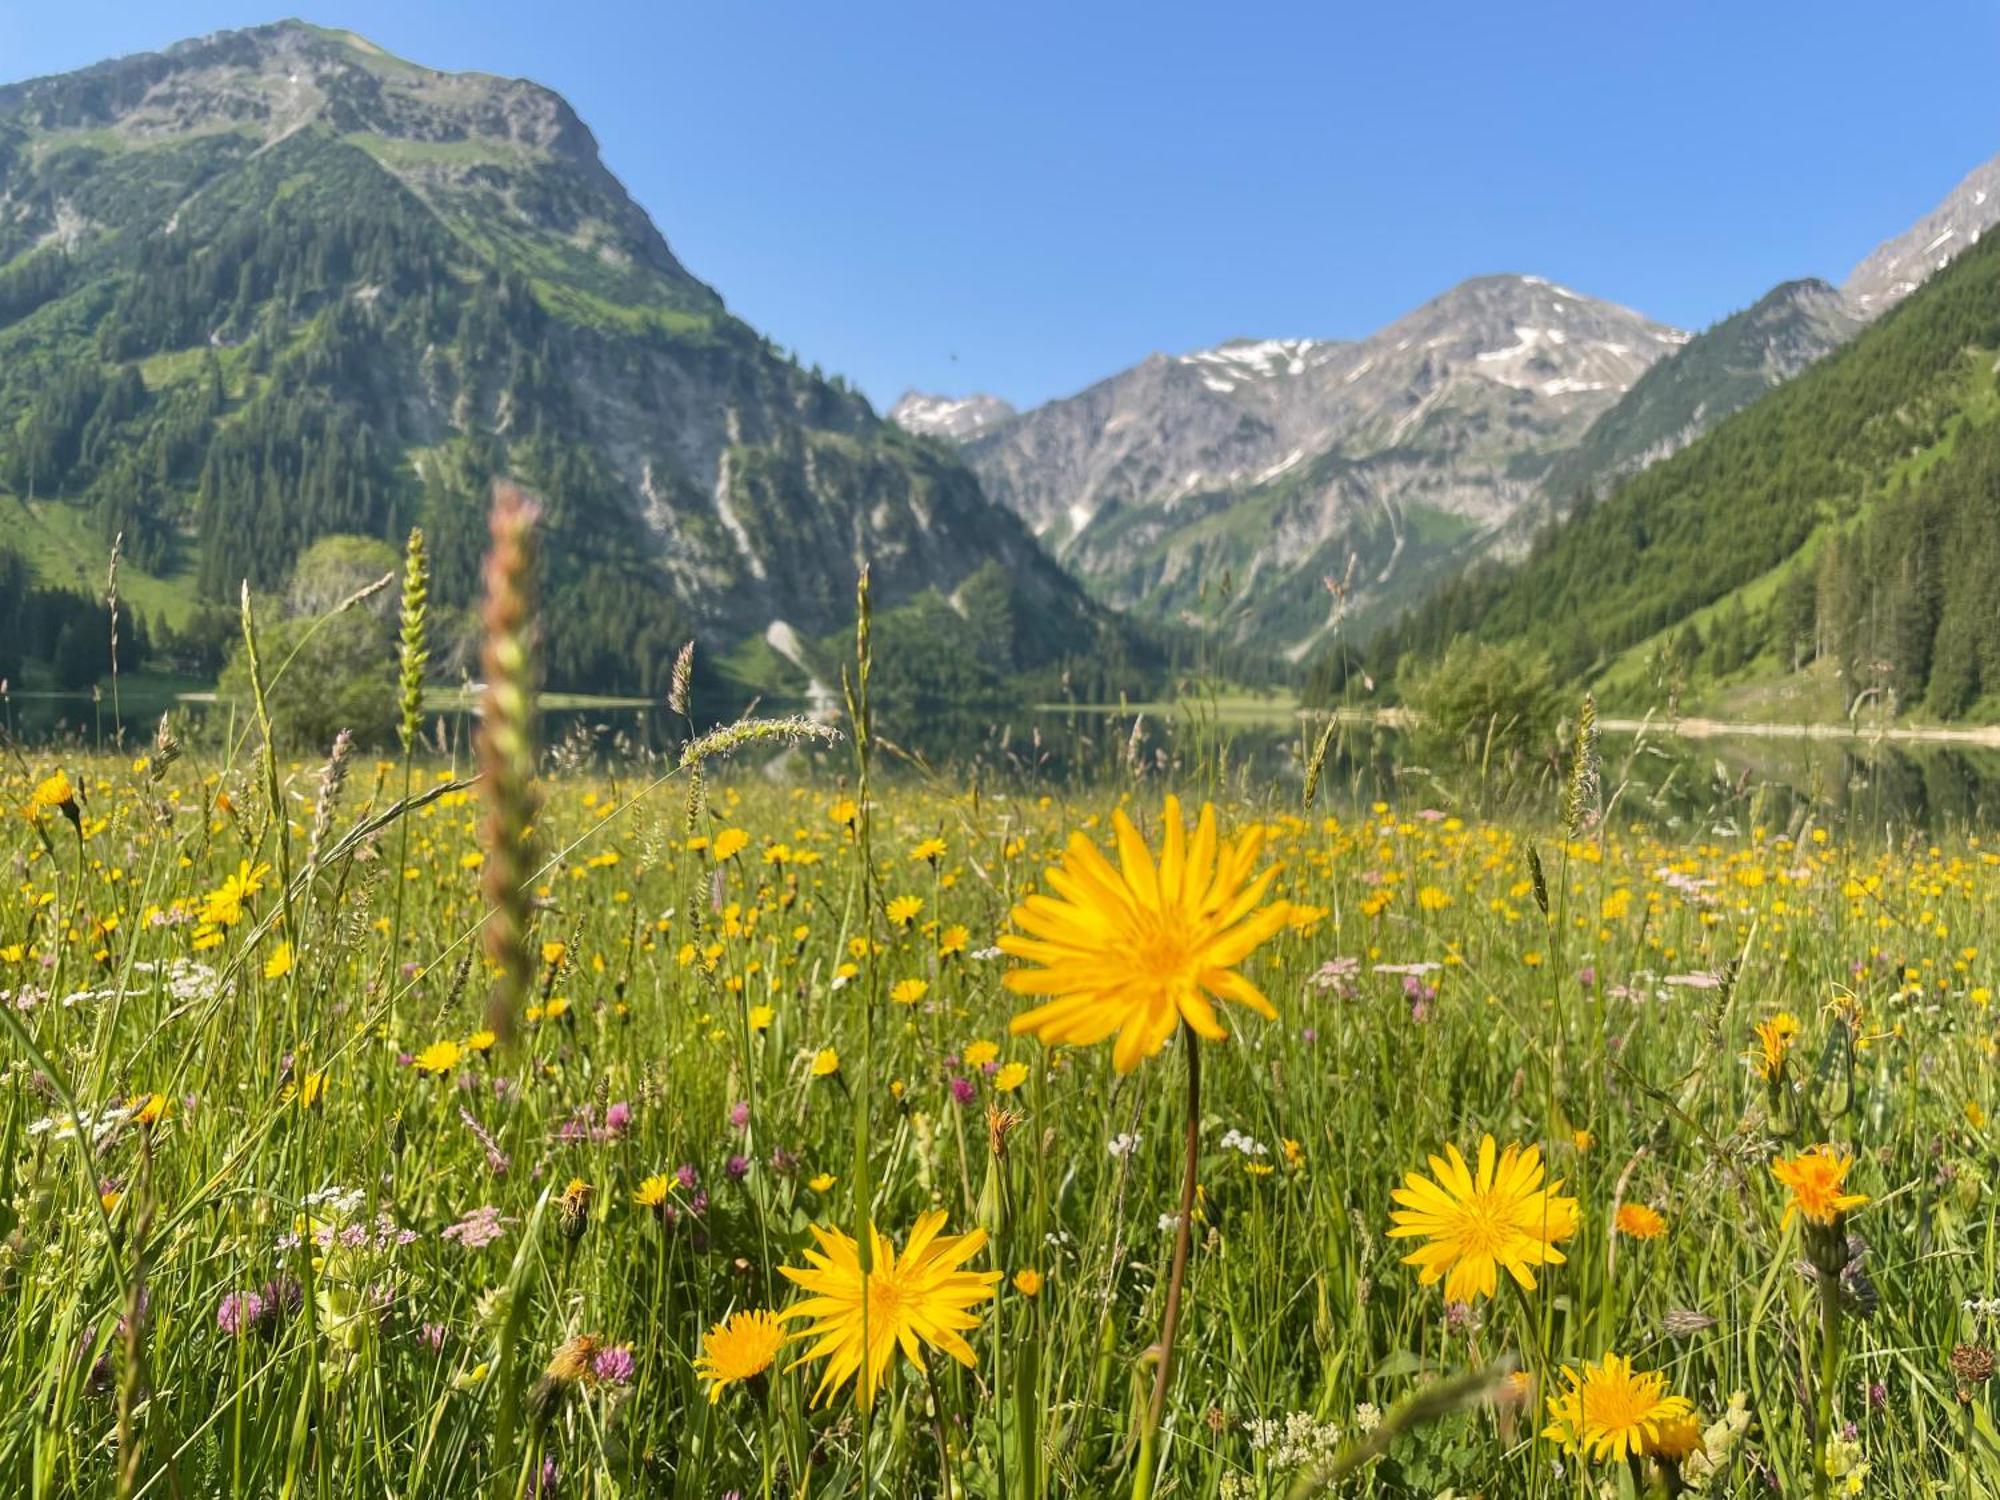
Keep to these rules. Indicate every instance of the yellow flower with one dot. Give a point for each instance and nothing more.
(1774, 1042)
(1028, 1282)
(1010, 1077)
(1639, 1221)
(224, 906)
(979, 1054)
(761, 1017)
(728, 844)
(310, 1087)
(920, 1296)
(1815, 1178)
(1141, 948)
(1611, 1411)
(902, 910)
(1431, 898)
(481, 1040)
(909, 991)
(279, 964)
(738, 1348)
(149, 1109)
(553, 951)
(929, 849)
(953, 939)
(439, 1057)
(822, 1182)
(825, 1063)
(1502, 1218)
(1678, 1438)
(845, 812)
(53, 794)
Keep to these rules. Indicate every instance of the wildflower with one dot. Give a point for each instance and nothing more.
(740, 1347)
(279, 964)
(930, 850)
(613, 1366)
(909, 991)
(916, 1297)
(1639, 1221)
(821, 1182)
(573, 1208)
(1774, 1042)
(963, 1089)
(728, 844)
(238, 1313)
(148, 1109)
(652, 1193)
(1608, 1410)
(902, 910)
(1140, 948)
(1028, 1282)
(439, 1058)
(1504, 1217)
(54, 794)
(1815, 1178)
(825, 1063)
(979, 1054)
(477, 1229)
(761, 1017)
(1010, 1077)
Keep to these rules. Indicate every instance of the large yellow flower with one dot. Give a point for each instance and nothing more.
(1610, 1410)
(738, 1348)
(1477, 1224)
(1815, 1178)
(1139, 948)
(920, 1297)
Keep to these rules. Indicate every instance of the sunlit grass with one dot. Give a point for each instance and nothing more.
(316, 1217)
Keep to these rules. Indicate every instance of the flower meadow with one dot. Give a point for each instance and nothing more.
(680, 1127)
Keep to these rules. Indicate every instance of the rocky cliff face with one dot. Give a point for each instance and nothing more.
(1281, 488)
(953, 417)
(1898, 266)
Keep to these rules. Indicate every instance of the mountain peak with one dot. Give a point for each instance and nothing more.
(486, 153)
(953, 417)
(1896, 267)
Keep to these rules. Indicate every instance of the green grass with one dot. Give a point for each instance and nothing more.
(63, 550)
(679, 1007)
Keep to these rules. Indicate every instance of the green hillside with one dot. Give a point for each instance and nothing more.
(1847, 519)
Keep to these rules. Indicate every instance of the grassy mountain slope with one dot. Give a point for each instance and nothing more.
(1843, 517)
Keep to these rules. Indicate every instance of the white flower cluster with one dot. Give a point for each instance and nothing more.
(1123, 1144)
(1982, 1309)
(1301, 1441)
(1236, 1140)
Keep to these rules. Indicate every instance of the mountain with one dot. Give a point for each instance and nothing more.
(274, 284)
(1716, 372)
(1843, 529)
(1898, 266)
(953, 417)
(1231, 484)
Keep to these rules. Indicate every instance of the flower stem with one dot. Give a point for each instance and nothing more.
(1156, 1409)
(1829, 1373)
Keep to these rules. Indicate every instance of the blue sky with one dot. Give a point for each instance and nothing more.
(1024, 197)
